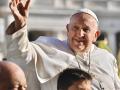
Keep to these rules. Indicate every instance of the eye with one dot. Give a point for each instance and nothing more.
(87, 30)
(13, 87)
(75, 28)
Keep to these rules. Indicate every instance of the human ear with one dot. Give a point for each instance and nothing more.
(97, 34)
(67, 27)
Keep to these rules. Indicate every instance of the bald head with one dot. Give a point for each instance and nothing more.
(12, 76)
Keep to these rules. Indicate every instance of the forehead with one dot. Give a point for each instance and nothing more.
(83, 18)
(81, 85)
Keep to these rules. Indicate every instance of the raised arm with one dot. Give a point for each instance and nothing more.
(20, 12)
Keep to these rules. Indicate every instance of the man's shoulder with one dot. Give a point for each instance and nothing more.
(53, 42)
(49, 40)
(102, 52)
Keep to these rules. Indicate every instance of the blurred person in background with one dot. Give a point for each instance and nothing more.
(46, 57)
(12, 77)
(102, 41)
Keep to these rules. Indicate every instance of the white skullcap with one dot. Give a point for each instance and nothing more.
(90, 12)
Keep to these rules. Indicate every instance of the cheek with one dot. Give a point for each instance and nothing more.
(73, 87)
(70, 35)
(91, 37)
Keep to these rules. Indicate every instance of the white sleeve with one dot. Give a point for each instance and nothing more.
(116, 77)
(48, 61)
(18, 44)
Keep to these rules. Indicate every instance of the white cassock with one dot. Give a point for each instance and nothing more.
(43, 60)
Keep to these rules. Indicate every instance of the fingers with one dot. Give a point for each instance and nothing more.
(14, 2)
(21, 9)
(18, 4)
(17, 1)
(27, 4)
(12, 6)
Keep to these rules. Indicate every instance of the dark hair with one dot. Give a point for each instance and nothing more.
(69, 76)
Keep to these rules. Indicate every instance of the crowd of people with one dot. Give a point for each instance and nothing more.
(51, 64)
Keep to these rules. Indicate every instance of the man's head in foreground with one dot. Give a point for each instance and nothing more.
(12, 77)
(74, 79)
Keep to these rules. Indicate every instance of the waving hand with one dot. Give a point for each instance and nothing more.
(20, 12)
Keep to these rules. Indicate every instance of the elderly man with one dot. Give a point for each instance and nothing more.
(12, 77)
(47, 57)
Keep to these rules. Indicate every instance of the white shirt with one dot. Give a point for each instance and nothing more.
(49, 56)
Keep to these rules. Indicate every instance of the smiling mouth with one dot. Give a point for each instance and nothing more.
(81, 43)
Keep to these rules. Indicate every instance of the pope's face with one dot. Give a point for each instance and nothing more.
(81, 85)
(82, 31)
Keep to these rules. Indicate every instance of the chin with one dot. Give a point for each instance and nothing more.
(76, 50)
(82, 50)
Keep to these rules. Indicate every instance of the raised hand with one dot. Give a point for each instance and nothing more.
(20, 12)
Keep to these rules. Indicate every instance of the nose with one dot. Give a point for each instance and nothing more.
(80, 33)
